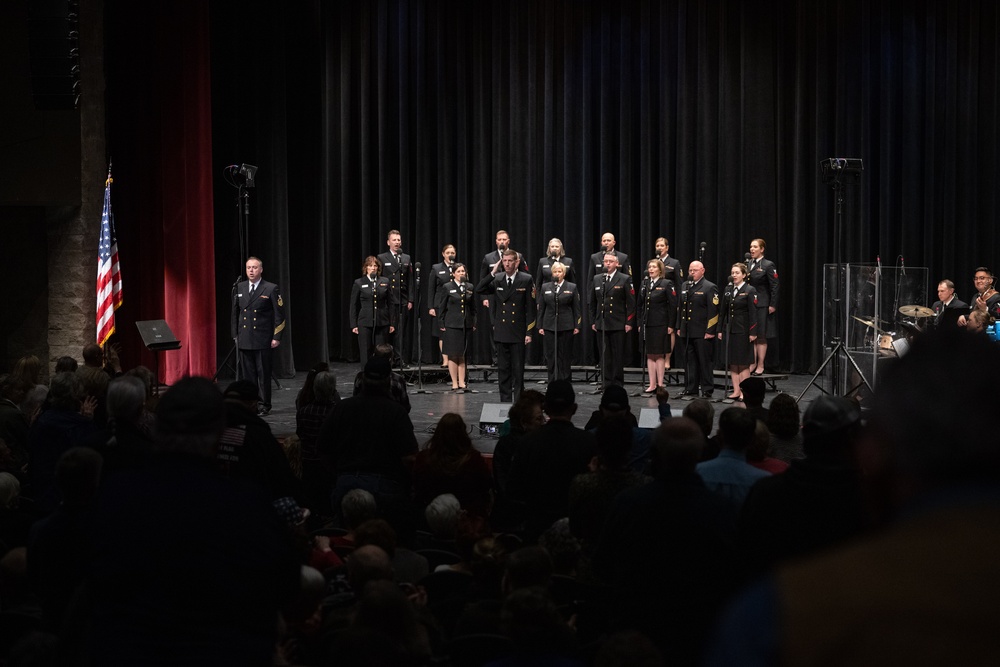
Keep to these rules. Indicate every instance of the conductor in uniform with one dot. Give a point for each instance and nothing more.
(612, 311)
(398, 268)
(258, 319)
(697, 325)
(513, 320)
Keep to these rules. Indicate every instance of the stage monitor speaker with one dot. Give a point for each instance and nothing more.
(156, 335)
(492, 416)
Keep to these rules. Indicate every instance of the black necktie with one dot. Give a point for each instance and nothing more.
(607, 278)
(251, 290)
(510, 282)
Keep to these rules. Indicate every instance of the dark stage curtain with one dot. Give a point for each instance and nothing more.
(159, 139)
(701, 121)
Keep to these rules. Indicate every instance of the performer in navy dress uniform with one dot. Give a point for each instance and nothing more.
(612, 312)
(559, 316)
(739, 326)
(764, 278)
(556, 253)
(456, 308)
(440, 275)
(513, 294)
(697, 322)
(656, 314)
(398, 268)
(372, 313)
(258, 318)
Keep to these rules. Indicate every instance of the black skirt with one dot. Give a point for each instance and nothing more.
(456, 342)
(657, 340)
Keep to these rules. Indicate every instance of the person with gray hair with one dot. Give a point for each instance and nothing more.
(442, 516)
(164, 519)
(126, 441)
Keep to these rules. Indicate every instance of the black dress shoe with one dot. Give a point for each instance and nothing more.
(263, 412)
(706, 394)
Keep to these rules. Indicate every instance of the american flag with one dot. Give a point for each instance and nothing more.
(109, 277)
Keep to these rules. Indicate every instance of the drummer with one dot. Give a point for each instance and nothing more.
(946, 299)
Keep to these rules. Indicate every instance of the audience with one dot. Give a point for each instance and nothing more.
(450, 464)
(313, 407)
(783, 422)
(668, 548)
(922, 587)
(757, 451)
(729, 474)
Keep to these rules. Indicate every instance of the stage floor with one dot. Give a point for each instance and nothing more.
(437, 399)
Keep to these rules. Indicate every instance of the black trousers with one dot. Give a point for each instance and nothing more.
(400, 339)
(510, 370)
(560, 366)
(612, 357)
(256, 367)
(698, 365)
(368, 338)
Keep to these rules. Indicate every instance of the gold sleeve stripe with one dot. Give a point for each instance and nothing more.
(712, 322)
(280, 328)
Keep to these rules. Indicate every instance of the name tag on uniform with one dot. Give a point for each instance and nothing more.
(366, 287)
(548, 291)
(453, 291)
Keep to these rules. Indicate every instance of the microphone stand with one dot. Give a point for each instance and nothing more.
(420, 342)
(729, 335)
(234, 349)
(374, 337)
(646, 296)
(555, 352)
(604, 340)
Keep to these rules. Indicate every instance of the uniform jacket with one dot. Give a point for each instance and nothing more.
(698, 309)
(597, 263)
(513, 308)
(440, 274)
(570, 309)
(456, 306)
(742, 311)
(543, 273)
(372, 308)
(764, 278)
(258, 320)
(657, 306)
(612, 304)
(400, 274)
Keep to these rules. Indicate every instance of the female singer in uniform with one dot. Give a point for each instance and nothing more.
(738, 320)
(564, 293)
(440, 275)
(456, 309)
(372, 314)
(556, 253)
(764, 278)
(656, 310)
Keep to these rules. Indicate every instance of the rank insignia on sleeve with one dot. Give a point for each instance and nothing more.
(715, 300)
(280, 303)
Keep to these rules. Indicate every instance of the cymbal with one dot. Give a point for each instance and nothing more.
(867, 323)
(916, 311)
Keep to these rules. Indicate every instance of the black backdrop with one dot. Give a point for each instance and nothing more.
(699, 120)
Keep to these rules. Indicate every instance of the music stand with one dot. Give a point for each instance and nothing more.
(157, 337)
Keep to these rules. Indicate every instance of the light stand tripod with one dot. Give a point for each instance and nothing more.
(838, 173)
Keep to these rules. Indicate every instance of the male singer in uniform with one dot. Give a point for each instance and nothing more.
(697, 324)
(397, 267)
(257, 322)
(513, 320)
(608, 246)
(612, 310)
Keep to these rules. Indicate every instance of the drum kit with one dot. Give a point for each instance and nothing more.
(895, 343)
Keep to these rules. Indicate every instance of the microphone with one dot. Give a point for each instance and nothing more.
(701, 253)
(372, 276)
(746, 256)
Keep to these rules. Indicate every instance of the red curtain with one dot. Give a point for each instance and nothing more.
(160, 141)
